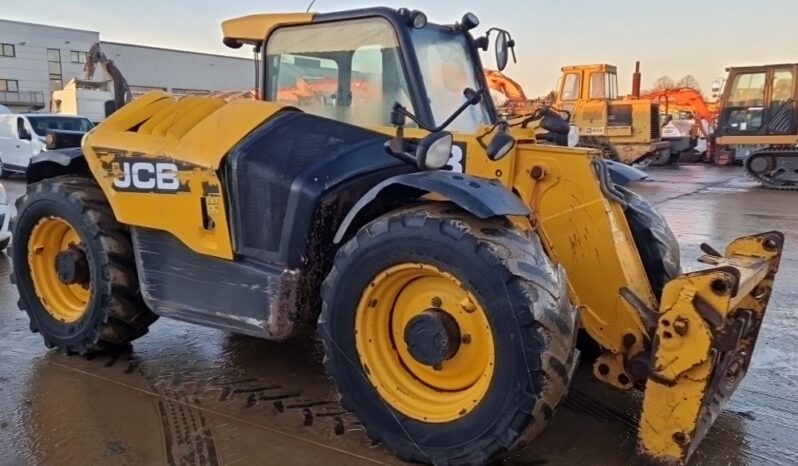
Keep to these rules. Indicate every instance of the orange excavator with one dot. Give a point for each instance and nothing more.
(684, 99)
(508, 95)
(688, 123)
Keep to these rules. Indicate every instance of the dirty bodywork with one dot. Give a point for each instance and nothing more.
(236, 212)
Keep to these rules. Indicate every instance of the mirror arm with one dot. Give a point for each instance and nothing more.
(474, 99)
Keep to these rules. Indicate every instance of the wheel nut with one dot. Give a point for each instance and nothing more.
(436, 302)
(467, 305)
(466, 338)
(680, 326)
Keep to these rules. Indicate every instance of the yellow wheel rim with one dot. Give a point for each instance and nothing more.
(49, 237)
(435, 393)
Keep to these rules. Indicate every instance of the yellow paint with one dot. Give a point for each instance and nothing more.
(686, 346)
(50, 236)
(253, 29)
(589, 236)
(199, 131)
(416, 390)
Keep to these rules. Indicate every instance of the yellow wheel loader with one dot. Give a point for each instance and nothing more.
(446, 257)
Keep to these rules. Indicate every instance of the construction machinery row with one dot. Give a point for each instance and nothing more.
(447, 257)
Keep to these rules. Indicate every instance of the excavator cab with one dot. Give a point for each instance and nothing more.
(758, 124)
(759, 102)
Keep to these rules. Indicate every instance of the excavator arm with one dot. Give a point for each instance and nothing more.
(96, 56)
(683, 96)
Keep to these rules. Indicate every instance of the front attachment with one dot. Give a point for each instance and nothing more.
(706, 332)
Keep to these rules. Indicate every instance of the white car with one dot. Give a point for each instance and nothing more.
(22, 136)
(5, 218)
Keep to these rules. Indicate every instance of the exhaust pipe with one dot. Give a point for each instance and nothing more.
(636, 81)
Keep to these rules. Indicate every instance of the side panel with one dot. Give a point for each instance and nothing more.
(280, 175)
(238, 296)
(157, 159)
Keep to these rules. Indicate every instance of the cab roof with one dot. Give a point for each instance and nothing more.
(253, 29)
(596, 67)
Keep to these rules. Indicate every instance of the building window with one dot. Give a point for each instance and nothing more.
(54, 68)
(8, 50)
(9, 85)
(78, 57)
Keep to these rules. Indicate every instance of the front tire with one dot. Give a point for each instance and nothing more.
(74, 268)
(414, 284)
(656, 244)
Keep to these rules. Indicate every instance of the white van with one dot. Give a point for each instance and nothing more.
(22, 136)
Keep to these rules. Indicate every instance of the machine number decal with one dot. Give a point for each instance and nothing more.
(594, 131)
(147, 176)
(457, 160)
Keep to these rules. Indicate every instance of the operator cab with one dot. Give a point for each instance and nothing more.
(586, 82)
(759, 101)
(354, 66)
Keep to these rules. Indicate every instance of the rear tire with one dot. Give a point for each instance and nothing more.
(530, 319)
(113, 313)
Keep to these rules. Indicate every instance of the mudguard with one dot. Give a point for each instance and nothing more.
(52, 163)
(480, 197)
(623, 174)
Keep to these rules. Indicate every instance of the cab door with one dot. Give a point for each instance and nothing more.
(744, 103)
(21, 149)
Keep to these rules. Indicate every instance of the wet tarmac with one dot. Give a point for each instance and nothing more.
(190, 395)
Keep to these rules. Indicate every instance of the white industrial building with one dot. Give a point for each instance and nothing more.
(37, 59)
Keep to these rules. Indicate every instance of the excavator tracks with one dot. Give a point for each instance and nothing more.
(774, 168)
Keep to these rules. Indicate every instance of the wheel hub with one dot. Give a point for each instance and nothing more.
(72, 267)
(432, 337)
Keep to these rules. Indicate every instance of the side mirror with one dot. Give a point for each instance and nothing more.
(433, 152)
(501, 145)
(502, 50)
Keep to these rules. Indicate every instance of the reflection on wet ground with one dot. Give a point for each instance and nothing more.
(189, 395)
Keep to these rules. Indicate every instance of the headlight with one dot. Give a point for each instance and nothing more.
(434, 151)
(573, 136)
(3, 196)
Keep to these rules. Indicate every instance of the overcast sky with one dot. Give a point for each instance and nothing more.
(676, 37)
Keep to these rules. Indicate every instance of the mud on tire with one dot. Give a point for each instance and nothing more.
(115, 313)
(532, 322)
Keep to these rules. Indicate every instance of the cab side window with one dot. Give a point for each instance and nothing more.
(349, 71)
(571, 87)
(22, 131)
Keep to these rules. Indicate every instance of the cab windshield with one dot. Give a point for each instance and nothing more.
(447, 67)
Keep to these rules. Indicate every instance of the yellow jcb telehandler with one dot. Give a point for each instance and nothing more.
(447, 258)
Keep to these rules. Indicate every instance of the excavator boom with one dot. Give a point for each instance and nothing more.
(96, 56)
